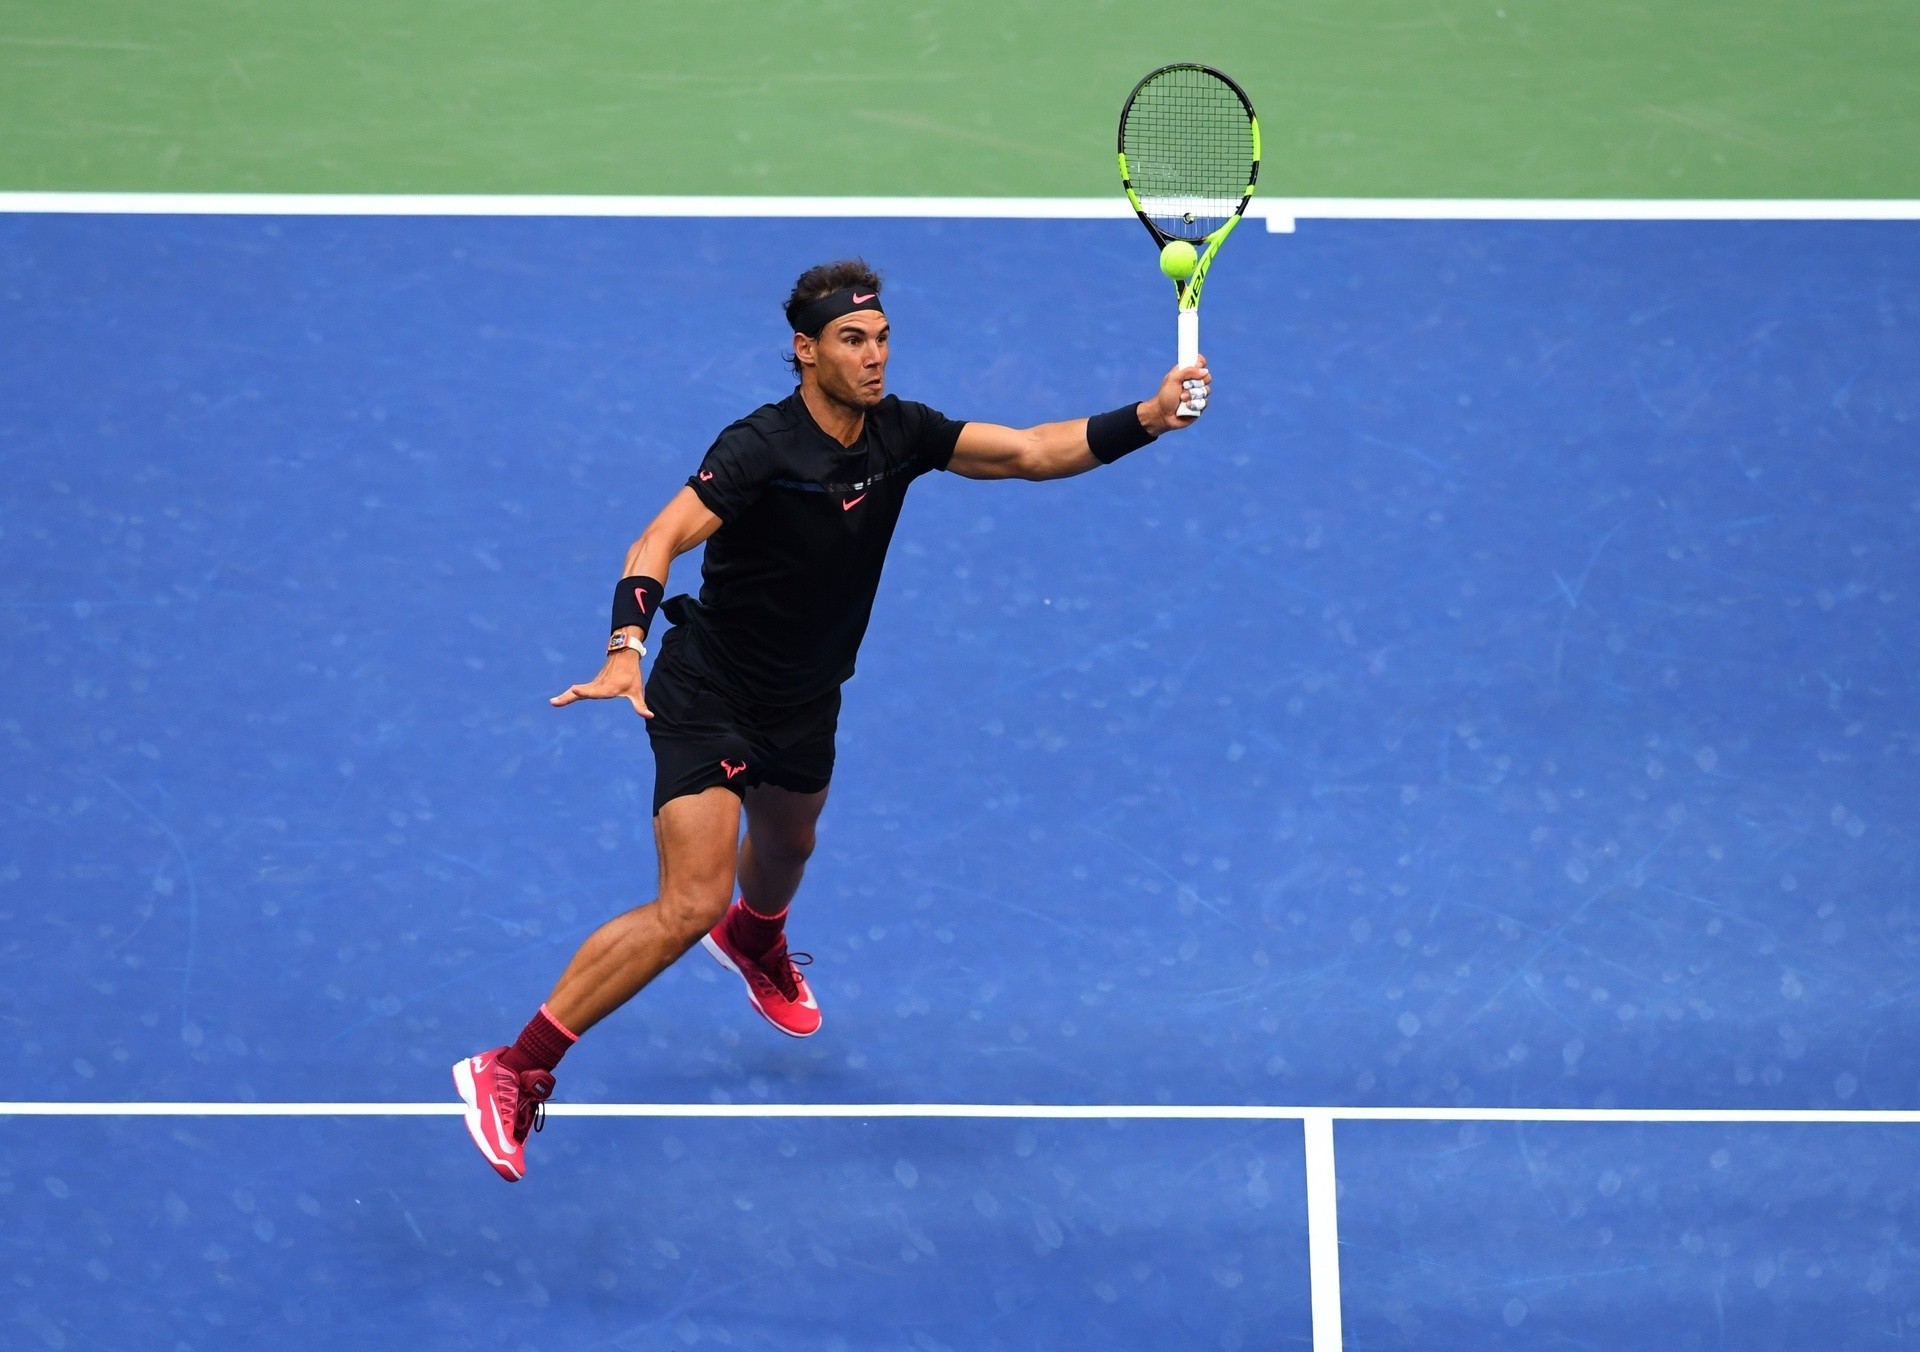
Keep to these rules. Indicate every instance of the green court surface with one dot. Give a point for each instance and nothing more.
(1405, 98)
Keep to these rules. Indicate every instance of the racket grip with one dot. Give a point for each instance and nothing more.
(1189, 353)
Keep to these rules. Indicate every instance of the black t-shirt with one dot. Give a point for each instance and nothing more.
(789, 579)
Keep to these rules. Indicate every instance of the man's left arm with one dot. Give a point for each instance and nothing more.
(1060, 450)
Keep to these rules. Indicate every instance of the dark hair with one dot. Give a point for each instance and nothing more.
(823, 280)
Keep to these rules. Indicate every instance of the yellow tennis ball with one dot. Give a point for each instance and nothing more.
(1178, 260)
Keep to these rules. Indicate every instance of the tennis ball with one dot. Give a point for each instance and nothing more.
(1178, 260)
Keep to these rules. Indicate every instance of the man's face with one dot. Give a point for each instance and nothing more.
(850, 358)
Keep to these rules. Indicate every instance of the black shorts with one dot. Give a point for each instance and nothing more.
(704, 737)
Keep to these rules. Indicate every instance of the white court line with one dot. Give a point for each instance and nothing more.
(1280, 213)
(1095, 1112)
(487, 204)
(1323, 1234)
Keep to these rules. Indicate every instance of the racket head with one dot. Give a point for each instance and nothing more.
(1189, 148)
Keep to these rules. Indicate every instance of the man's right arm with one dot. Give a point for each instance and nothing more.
(682, 524)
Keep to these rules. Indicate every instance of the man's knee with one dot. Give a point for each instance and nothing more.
(790, 848)
(690, 911)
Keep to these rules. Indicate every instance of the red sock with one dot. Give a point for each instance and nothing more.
(540, 1045)
(752, 933)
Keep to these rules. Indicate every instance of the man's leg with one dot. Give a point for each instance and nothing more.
(773, 855)
(695, 836)
(504, 1089)
(752, 939)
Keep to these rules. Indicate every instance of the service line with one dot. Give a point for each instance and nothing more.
(1095, 1112)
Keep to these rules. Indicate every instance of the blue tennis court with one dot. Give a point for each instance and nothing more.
(1506, 698)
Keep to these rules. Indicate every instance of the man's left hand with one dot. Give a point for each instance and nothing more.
(1189, 385)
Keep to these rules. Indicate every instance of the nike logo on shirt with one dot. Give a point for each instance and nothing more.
(851, 503)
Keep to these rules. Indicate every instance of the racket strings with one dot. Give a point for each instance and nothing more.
(1189, 145)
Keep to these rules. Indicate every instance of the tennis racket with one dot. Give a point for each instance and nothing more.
(1189, 159)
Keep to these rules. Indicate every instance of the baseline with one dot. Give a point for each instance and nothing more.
(1280, 213)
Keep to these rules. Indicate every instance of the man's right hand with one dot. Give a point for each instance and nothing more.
(619, 677)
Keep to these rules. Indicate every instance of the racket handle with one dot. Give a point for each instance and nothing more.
(1189, 354)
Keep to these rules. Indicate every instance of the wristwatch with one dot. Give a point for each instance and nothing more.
(622, 640)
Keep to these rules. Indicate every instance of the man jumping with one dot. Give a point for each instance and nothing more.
(796, 503)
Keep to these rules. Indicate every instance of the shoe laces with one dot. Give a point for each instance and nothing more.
(782, 968)
(530, 1114)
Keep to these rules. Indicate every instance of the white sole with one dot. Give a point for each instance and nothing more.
(470, 1096)
(720, 956)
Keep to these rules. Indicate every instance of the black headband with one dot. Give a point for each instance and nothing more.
(810, 317)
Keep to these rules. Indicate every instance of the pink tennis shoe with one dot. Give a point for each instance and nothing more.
(774, 984)
(502, 1109)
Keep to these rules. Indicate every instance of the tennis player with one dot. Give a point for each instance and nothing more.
(796, 504)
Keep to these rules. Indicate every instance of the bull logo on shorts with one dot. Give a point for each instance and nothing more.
(732, 767)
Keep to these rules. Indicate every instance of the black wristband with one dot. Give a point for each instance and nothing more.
(1112, 435)
(634, 602)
